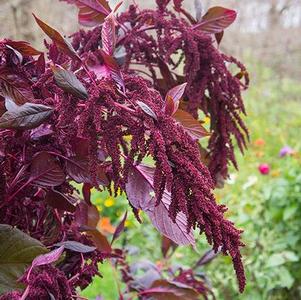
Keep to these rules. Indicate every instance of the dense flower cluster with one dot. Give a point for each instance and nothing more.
(45, 282)
(176, 44)
(67, 120)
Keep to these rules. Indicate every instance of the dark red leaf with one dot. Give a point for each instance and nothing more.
(87, 216)
(108, 34)
(100, 241)
(119, 228)
(40, 64)
(192, 126)
(147, 109)
(166, 245)
(16, 88)
(26, 116)
(80, 146)
(170, 290)
(159, 216)
(165, 72)
(60, 201)
(91, 12)
(46, 259)
(67, 81)
(78, 169)
(62, 44)
(2, 108)
(216, 20)
(219, 37)
(86, 190)
(173, 97)
(75, 246)
(24, 48)
(46, 171)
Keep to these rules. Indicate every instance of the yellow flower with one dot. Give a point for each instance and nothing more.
(110, 201)
(207, 120)
(119, 192)
(99, 208)
(275, 173)
(127, 138)
(259, 154)
(128, 223)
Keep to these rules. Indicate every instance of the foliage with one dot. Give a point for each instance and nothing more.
(262, 204)
(69, 118)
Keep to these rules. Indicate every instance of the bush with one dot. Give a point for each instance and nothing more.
(87, 115)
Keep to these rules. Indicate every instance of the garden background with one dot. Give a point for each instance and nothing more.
(264, 197)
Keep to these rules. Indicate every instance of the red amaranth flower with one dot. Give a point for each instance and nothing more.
(90, 105)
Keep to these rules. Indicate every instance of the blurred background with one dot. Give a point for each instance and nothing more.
(264, 197)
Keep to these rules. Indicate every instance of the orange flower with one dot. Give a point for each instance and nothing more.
(259, 142)
(104, 225)
(259, 154)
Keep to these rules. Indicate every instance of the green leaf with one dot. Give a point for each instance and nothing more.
(281, 258)
(17, 251)
(286, 278)
(289, 212)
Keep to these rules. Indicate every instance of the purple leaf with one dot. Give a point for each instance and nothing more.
(46, 259)
(26, 116)
(41, 131)
(172, 99)
(76, 246)
(139, 190)
(170, 290)
(46, 170)
(119, 228)
(216, 20)
(113, 69)
(207, 257)
(143, 185)
(67, 81)
(147, 109)
(101, 71)
(108, 35)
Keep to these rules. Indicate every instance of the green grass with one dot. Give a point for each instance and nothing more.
(105, 286)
